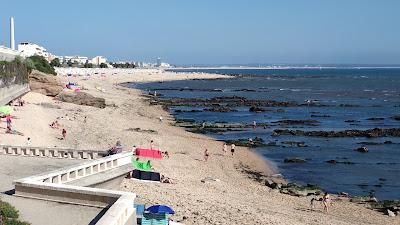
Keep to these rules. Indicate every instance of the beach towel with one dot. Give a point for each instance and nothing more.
(141, 166)
(145, 175)
(148, 153)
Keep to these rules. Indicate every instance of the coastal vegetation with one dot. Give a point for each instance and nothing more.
(39, 63)
(123, 65)
(103, 65)
(14, 72)
(55, 63)
(9, 215)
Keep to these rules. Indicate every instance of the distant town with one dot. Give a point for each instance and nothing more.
(28, 49)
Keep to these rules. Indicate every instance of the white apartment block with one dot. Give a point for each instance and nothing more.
(76, 59)
(27, 49)
(98, 60)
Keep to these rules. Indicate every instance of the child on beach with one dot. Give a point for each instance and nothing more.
(28, 141)
(224, 148)
(64, 133)
(8, 119)
(151, 144)
(233, 149)
(206, 155)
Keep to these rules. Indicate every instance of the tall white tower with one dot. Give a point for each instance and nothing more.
(12, 41)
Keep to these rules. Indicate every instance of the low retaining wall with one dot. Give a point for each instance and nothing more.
(53, 186)
(7, 54)
(7, 94)
(50, 152)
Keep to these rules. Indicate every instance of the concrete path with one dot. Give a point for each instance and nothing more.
(39, 212)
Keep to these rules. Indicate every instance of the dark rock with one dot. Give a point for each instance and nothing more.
(374, 118)
(332, 161)
(362, 149)
(297, 122)
(256, 109)
(295, 143)
(363, 199)
(254, 143)
(396, 117)
(376, 132)
(187, 111)
(351, 121)
(294, 160)
(220, 109)
(321, 116)
(375, 143)
(300, 191)
(343, 194)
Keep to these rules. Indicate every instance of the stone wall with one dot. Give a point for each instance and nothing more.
(7, 54)
(13, 81)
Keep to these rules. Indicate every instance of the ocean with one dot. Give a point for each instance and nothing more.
(345, 99)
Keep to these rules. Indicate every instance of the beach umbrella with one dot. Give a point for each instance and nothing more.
(160, 209)
(6, 110)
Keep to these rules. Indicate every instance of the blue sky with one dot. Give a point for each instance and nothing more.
(212, 31)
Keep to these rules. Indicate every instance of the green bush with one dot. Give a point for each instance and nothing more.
(15, 222)
(10, 214)
(42, 65)
(29, 64)
(8, 210)
(103, 65)
(55, 63)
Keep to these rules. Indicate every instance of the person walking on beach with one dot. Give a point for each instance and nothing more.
(64, 133)
(151, 145)
(28, 141)
(326, 200)
(206, 155)
(233, 149)
(224, 148)
(8, 120)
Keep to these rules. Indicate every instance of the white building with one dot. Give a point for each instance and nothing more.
(27, 49)
(158, 62)
(165, 65)
(76, 59)
(98, 60)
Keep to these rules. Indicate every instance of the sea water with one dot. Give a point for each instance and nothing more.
(353, 94)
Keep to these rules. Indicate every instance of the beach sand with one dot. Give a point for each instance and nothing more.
(234, 199)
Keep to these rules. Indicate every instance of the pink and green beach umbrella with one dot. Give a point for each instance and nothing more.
(6, 110)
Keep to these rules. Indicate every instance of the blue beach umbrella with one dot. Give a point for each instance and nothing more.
(160, 209)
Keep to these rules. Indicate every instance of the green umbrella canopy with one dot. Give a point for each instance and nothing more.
(6, 110)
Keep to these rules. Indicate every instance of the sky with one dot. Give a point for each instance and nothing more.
(185, 32)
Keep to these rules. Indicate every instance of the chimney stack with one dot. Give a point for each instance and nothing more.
(12, 41)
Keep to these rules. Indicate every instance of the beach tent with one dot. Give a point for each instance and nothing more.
(148, 153)
(141, 166)
(145, 175)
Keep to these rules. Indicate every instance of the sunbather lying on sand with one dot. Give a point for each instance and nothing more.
(55, 125)
(166, 180)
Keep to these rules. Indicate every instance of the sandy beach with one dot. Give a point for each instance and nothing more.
(233, 199)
